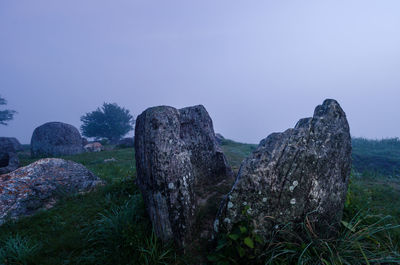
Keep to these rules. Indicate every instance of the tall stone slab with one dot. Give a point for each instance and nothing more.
(177, 163)
(298, 174)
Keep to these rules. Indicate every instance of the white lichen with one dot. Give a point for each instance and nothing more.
(293, 201)
(227, 220)
(244, 203)
(230, 205)
(216, 224)
(264, 199)
(171, 185)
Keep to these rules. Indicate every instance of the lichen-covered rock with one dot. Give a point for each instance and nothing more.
(56, 139)
(180, 169)
(37, 186)
(302, 172)
(93, 147)
(8, 154)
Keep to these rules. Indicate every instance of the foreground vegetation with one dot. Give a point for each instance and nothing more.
(109, 226)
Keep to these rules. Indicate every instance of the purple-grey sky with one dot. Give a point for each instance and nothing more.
(257, 66)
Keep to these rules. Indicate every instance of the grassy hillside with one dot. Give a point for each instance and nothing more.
(377, 156)
(110, 226)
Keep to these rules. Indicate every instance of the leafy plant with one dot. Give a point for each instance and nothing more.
(241, 245)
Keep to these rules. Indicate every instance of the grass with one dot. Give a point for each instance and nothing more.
(235, 152)
(110, 226)
(377, 156)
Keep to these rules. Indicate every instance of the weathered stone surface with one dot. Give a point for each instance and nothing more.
(93, 147)
(302, 172)
(127, 142)
(13, 141)
(8, 155)
(180, 170)
(56, 139)
(36, 186)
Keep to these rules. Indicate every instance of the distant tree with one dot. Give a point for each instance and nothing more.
(6, 115)
(110, 121)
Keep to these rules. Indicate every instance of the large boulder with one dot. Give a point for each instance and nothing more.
(181, 171)
(296, 175)
(11, 141)
(56, 139)
(37, 186)
(8, 155)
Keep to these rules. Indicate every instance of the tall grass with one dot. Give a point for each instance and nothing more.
(18, 250)
(365, 239)
(122, 235)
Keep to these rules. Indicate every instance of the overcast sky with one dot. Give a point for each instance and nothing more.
(257, 66)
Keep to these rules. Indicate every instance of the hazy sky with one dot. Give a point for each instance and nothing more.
(257, 66)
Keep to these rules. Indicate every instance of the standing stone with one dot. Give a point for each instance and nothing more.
(56, 139)
(37, 186)
(8, 154)
(180, 170)
(302, 172)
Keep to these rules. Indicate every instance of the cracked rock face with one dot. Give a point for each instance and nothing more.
(8, 154)
(301, 172)
(37, 186)
(56, 139)
(180, 170)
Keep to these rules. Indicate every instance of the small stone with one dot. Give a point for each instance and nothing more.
(293, 201)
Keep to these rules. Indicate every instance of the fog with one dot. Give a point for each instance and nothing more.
(257, 66)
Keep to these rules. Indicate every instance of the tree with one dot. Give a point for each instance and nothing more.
(6, 115)
(110, 121)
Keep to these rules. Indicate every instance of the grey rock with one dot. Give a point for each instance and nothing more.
(298, 174)
(13, 141)
(56, 139)
(180, 171)
(127, 142)
(38, 186)
(8, 155)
